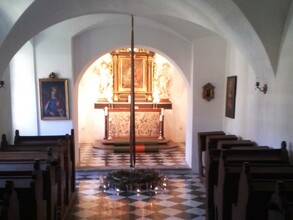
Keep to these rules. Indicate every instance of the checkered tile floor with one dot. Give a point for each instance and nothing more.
(91, 157)
(184, 198)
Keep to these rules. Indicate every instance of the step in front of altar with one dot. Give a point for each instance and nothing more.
(139, 148)
(144, 145)
(126, 141)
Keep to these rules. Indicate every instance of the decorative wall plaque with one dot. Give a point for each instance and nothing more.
(208, 92)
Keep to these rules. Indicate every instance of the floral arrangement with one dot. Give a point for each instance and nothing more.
(136, 179)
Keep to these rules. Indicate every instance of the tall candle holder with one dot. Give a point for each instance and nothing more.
(161, 128)
(106, 123)
(110, 129)
(106, 128)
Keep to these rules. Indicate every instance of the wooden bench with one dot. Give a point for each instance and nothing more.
(201, 146)
(9, 204)
(254, 194)
(211, 167)
(30, 192)
(226, 190)
(281, 203)
(212, 142)
(48, 140)
(53, 174)
(63, 148)
(4, 140)
(40, 143)
(67, 161)
(227, 144)
(259, 154)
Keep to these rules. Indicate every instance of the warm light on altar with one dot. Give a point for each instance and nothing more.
(91, 108)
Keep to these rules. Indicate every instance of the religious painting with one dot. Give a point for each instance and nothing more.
(54, 99)
(143, 74)
(139, 74)
(231, 96)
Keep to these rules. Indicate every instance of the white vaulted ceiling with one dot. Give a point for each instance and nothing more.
(21, 20)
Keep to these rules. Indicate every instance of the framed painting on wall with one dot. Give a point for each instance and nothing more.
(54, 99)
(231, 96)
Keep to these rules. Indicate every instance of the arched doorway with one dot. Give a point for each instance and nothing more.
(91, 126)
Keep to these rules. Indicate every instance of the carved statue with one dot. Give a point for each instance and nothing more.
(106, 81)
(164, 80)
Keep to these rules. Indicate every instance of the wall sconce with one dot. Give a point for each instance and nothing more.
(1, 84)
(263, 89)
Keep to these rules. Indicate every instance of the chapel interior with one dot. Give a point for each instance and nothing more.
(198, 66)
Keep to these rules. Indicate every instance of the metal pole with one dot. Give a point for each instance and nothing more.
(132, 104)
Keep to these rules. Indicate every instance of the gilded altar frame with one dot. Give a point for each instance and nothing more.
(143, 74)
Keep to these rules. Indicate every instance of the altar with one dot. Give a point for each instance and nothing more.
(147, 123)
(151, 94)
(149, 130)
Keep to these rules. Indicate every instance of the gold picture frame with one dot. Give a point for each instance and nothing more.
(54, 99)
(143, 74)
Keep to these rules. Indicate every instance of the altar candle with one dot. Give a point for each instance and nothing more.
(106, 111)
(129, 99)
(161, 117)
(162, 111)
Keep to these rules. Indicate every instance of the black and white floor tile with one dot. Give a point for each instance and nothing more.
(91, 157)
(184, 197)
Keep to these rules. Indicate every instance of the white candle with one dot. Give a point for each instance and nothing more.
(162, 111)
(106, 111)
(129, 99)
(161, 117)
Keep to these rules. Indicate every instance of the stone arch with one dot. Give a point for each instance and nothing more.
(213, 16)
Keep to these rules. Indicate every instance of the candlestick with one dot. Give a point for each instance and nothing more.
(129, 99)
(106, 127)
(110, 129)
(161, 137)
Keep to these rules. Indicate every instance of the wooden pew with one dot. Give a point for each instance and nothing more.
(9, 204)
(226, 189)
(50, 183)
(201, 146)
(40, 143)
(29, 188)
(254, 194)
(43, 142)
(48, 140)
(281, 202)
(212, 142)
(63, 148)
(4, 140)
(53, 173)
(227, 144)
(244, 153)
(211, 167)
